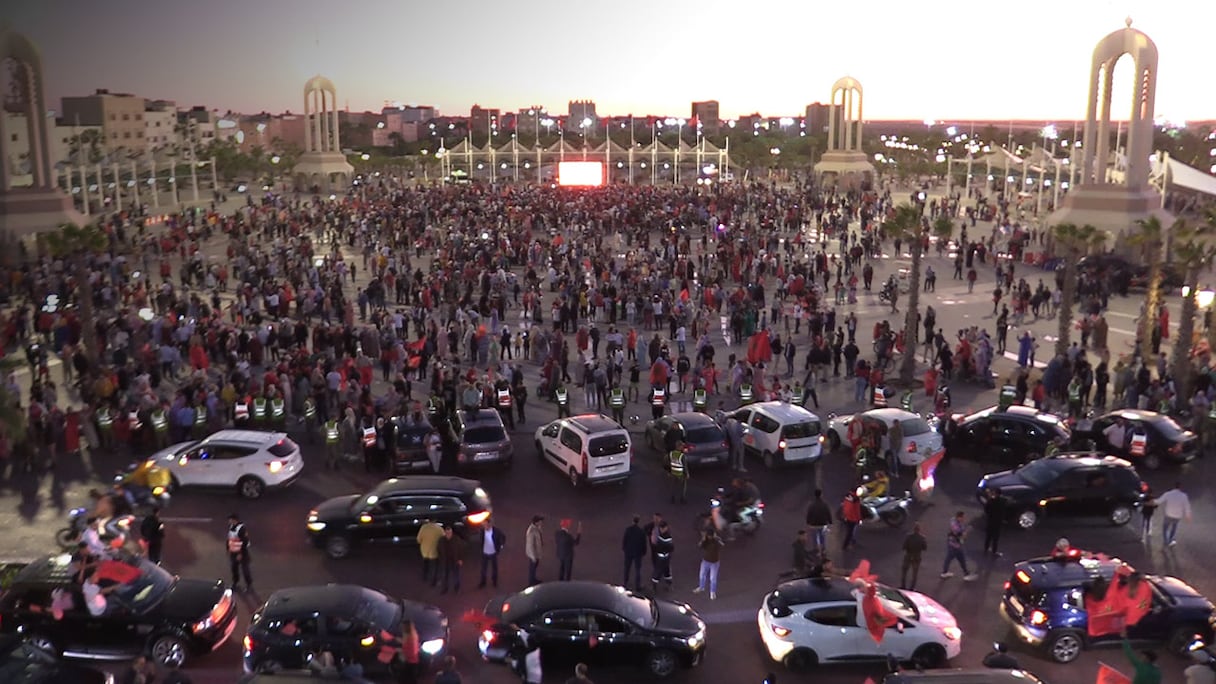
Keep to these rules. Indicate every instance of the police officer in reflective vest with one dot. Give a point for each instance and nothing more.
(563, 401)
(503, 399)
(658, 402)
(310, 419)
(240, 412)
(1008, 394)
(880, 396)
(1074, 397)
(905, 401)
(332, 437)
(678, 472)
(278, 412)
(160, 426)
(259, 411)
(745, 393)
(237, 544)
(700, 400)
(616, 400)
(200, 421)
(105, 427)
(1138, 445)
(861, 460)
(369, 444)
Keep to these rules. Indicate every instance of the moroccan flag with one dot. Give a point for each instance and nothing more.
(1109, 675)
(117, 571)
(878, 617)
(1135, 599)
(1105, 613)
(862, 573)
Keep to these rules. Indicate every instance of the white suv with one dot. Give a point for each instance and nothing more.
(248, 460)
(590, 449)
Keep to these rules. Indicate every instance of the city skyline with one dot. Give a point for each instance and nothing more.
(631, 58)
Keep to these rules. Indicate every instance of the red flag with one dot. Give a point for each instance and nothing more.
(1135, 599)
(1105, 614)
(478, 618)
(416, 346)
(1109, 675)
(862, 573)
(878, 618)
(117, 571)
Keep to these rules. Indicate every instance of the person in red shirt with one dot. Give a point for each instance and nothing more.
(850, 512)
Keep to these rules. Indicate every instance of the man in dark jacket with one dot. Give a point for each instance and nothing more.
(634, 544)
(994, 517)
(492, 542)
(450, 560)
(564, 549)
(818, 518)
(152, 531)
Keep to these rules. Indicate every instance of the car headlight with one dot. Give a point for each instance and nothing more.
(952, 633)
(432, 646)
(316, 526)
(696, 640)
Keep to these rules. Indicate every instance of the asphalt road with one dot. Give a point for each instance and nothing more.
(32, 508)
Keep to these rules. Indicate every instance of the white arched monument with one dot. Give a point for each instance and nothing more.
(40, 206)
(1104, 198)
(322, 166)
(845, 163)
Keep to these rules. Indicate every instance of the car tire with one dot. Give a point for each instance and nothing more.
(1120, 515)
(1151, 461)
(929, 656)
(833, 442)
(575, 479)
(800, 660)
(1027, 519)
(169, 651)
(250, 487)
(661, 663)
(770, 460)
(337, 547)
(42, 642)
(1064, 647)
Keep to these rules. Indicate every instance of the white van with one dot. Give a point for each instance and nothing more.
(589, 449)
(780, 433)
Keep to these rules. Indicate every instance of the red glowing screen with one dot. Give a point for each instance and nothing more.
(580, 173)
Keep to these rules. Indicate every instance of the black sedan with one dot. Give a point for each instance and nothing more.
(145, 610)
(1014, 435)
(704, 439)
(358, 626)
(24, 664)
(1168, 442)
(1068, 486)
(595, 623)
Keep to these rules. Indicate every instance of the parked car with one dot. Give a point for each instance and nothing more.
(1044, 601)
(350, 621)
(920, 441)
(1016, 435)
(704, 440)
(394, 510)
(411, 454)
(1168, 442)
(156, 613)
(780, 433)
(589, 449)
(596, 623)
(249, 461)
(22, 663)
(808, 622)
(1070, 485)
(482, 439)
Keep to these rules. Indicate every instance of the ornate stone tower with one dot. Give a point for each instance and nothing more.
(41, 206)
(844, 163)
(1102, 198)
(322, 166)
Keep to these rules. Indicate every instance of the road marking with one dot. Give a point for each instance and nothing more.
(730, 616)
(1120, 314)
(188, 520)
(1122, 331)
(1014, 357)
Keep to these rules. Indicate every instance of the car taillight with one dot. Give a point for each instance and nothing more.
(911, 447)
(1144, 487)
(276, 466)
(488, 635)
(781, 444)
(477, 518)
(1038, 618)
(584, 461)
(1022, 577)
(249, 644)
(688, 447)
(1176, 449)
(1006, 586)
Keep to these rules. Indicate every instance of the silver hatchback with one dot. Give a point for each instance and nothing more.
(482, 439)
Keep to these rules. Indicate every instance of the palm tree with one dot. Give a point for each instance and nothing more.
(74, 244)
(1193, 253)
(1074, 242)
(1150, 242)
(907, 226)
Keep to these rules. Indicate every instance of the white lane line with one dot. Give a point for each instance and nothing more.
(1123, 332)
(189, 520)
(1014, 357)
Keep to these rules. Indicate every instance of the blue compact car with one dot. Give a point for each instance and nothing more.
(1044, 602)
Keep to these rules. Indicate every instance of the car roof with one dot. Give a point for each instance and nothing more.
(691, 419)
(426, 484)
(482, 417)
(330, 599)
(55, 569)
(781, 411)
(593, 422)
(557, 595)
(1052, 573)
(1026, 412)
(1134, 414)
(1088, 459)
(887, 415)
(815, 590)
(260, 437)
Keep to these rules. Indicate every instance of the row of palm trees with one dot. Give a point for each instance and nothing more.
(1193, 250)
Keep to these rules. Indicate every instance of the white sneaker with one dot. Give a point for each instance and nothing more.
(698, 590)
(712, 595)
(970, 578)
(947, 575)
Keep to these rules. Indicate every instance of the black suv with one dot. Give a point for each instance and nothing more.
(351, 622)
(1044, 602)
(596, 623)
(1167, 440)
(24, 664)
(394, 511)
(154, 612)
(1015, 435)
(1068, 486)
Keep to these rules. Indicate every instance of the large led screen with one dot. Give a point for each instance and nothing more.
(580, 173)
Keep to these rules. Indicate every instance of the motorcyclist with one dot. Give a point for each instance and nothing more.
(876, 486)
(740, 494)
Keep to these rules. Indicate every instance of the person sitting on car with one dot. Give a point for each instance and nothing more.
(95, 595)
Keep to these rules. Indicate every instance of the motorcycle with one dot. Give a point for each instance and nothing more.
(893, 510)
(78, 523)
(147, 482)
(750, 516)
(884, 295)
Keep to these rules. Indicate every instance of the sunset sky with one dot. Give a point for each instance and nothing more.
(944, 59)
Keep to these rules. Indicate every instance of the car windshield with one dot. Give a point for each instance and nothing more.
(802, 430)
(1169, 428)
(639, 610)
(1037, 473)
(147, 590)
(380, 611)
(914, 426)
(485, 434)
(607, 445)
(284, 447)
(704, 435)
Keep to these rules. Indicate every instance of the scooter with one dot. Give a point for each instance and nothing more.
(147, 482)
(751, 516)
(78, 522)
(893, 510)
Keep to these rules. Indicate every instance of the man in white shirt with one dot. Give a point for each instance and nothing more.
(1115, 434)
(1174, 505)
